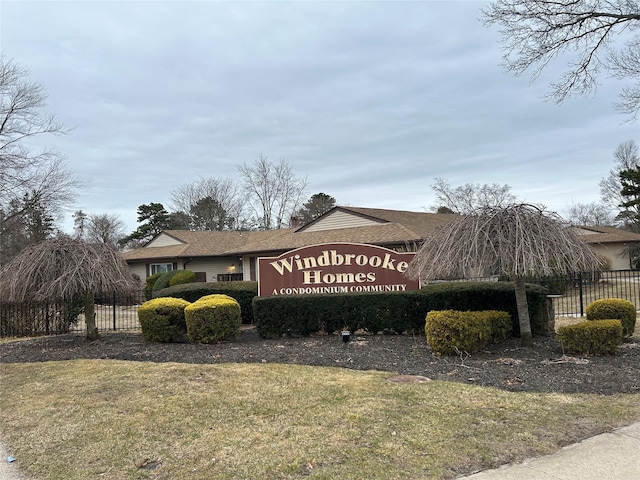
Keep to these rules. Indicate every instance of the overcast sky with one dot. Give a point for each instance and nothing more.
(370, 100)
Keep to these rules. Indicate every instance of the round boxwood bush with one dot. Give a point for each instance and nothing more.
(213, 318)
(181, 277)
(614, 309)
(163, 319)
(164, 279)
(150, 282)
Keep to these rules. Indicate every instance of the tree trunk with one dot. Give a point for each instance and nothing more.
(526, 339)
(89, 317)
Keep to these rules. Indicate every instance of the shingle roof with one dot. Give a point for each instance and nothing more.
(219, 243)
(422, 223)
(201, 244)
(400, 227)
(172, 251)
(388, 233)
(608, 235)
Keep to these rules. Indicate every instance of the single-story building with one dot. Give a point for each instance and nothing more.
(611, 243)
(231, 255)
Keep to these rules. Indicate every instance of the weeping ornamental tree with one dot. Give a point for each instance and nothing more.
(65, 268)
(520, 241)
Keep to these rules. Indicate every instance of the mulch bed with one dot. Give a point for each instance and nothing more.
(507, 365)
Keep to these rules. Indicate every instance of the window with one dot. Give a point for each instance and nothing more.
(229, 277)
(161, 267)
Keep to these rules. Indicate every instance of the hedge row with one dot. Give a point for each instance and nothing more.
(398, 312)
(307, 314)
(374, 312)
(493, 296)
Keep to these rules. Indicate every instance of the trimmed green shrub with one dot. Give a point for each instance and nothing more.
(163, 281)
(163, 320)
(213, 318)
(151, 280)
(306, 314)
(610, 308)
(451, 332)
(182, 277)
(501, 326)
(555, 284)
(593, 337)
(242, 292)
(477, 296)
(395, 311)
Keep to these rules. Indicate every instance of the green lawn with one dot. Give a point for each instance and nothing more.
(92, 419)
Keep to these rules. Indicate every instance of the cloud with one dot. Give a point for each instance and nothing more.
(371, 100)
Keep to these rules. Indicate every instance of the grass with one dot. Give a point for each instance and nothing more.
(111, 419)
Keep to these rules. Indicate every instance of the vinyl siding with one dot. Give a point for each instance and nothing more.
(213, 266)
(163, 240)
(618, 255)
(140, 270)
(339, 219)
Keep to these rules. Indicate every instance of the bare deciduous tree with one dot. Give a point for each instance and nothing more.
(519, 240)
(35, 178)
(594, 214)
(224, 192)
(274, 191)
(536, 32)
(627, 157)
(100, 228)
(65, 268)
(470, 196)
(105, 228)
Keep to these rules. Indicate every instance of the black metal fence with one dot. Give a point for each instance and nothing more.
(119, 311)
(572, 293)
(113, 311)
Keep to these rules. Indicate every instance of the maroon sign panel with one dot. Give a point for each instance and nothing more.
(335, 268)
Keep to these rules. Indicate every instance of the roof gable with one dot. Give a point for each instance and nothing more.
(340, 217)
(164, 239)
(358, 225)
(384, 234)
(187, 244)
(340, 224)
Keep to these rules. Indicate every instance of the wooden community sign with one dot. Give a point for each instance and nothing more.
(335, 268)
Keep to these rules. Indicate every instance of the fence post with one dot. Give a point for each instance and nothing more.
(46, 318)
(114, 309)
(581, 298)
